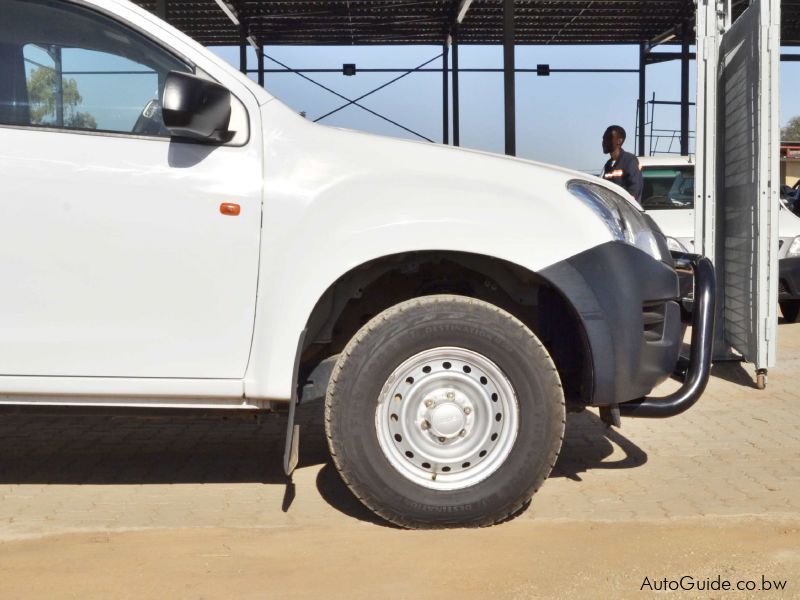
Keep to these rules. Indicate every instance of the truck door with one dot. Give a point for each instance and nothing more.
(117, 260)
(738, 170)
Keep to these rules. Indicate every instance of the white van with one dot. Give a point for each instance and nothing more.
(668, 197)
(175, 237)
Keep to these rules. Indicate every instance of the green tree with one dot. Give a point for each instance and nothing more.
(42, 99)
(791, 133)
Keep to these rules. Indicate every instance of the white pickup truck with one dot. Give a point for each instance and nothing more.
(668, 197)
(173, 236)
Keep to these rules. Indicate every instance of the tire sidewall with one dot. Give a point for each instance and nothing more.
(407, 331)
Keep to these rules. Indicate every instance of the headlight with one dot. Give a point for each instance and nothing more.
(624, 221)
(794, 248)
(675, 246)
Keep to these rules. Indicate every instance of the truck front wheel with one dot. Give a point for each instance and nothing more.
(444, 411)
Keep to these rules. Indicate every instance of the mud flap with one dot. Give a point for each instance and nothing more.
(291, 451)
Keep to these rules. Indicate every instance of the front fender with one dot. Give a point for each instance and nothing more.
(337, 199)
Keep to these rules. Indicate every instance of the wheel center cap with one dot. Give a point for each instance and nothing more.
(447, 420)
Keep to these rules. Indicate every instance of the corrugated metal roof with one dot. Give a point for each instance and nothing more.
(370, 22)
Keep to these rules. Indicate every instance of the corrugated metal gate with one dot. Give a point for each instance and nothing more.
(738, 147)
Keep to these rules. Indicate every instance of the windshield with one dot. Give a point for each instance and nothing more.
(668, 187)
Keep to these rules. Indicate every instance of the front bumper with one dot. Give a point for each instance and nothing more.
(789, 278)
(628, 304)
(698, 369)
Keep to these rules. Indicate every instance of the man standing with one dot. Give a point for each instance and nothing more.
(623, 167)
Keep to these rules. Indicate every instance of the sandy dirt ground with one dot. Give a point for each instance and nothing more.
(521, 559)
(115, 507)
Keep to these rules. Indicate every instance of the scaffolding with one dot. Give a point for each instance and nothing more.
(663, 140)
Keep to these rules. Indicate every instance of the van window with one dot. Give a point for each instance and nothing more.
(94, 74)
(668, 188)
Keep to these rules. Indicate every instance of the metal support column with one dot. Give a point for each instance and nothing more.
(642, 91)
(508, 77)
(161, 13)
(456, 124)
(260, 64)
(445, 96)
(686, 32)
(242, 48)
(59, 69)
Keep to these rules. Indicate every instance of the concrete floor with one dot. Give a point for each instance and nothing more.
(98, 506)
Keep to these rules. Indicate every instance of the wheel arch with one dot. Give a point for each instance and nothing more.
(371, 287)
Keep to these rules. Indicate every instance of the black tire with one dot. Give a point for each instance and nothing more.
(790, 310)
(404, 331)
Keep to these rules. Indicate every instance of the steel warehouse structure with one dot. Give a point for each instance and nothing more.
(449, 23)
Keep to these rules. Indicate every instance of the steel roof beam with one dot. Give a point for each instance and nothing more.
(229, 11)
(365, 22)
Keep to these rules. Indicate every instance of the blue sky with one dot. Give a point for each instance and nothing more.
(560, 119)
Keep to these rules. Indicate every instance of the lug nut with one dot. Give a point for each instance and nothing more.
(462, 433)
(428, 403)
(425, 425)
(467, 410)
(441, 439)
(451, 395)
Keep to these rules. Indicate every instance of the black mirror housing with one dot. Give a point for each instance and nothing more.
(196, 108)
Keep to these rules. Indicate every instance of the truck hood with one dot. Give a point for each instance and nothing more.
(353, 152)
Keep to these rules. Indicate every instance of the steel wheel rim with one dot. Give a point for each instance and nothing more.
(447, 418)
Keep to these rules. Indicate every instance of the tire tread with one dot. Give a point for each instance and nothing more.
(554, 383)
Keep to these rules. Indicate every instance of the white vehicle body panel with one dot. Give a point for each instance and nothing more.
(342, 198)
(126, 268)
(174, 281)
(123, 265)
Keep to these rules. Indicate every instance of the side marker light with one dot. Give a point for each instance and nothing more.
(230, 209)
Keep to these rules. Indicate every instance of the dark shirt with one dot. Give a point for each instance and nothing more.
(626, 173)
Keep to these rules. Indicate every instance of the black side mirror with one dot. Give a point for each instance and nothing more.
(196, 108)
